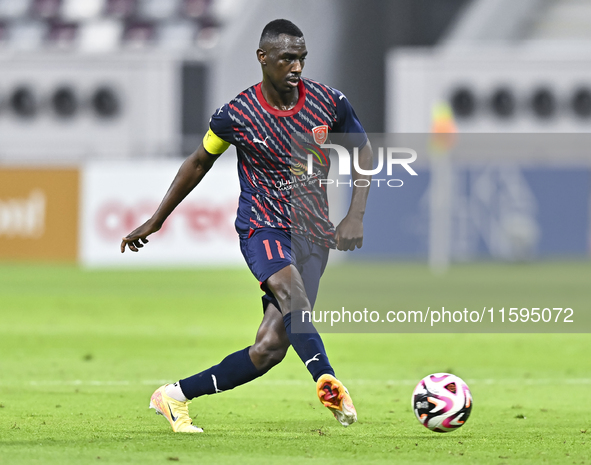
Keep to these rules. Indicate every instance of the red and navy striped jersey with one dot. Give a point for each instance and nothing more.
(275, 190)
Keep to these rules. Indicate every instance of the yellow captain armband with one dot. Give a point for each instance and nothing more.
(214, 144)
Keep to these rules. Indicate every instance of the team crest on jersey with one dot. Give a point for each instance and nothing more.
(320, 134)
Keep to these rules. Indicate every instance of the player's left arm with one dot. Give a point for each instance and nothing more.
(349, 232)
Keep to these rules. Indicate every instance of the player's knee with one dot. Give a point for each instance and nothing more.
(282, 292)
(290, 297)
(268, 353)
(288, 288)
(275, 356)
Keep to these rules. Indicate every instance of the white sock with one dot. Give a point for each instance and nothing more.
(175, 391)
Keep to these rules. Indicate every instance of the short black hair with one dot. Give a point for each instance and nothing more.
(280, 26)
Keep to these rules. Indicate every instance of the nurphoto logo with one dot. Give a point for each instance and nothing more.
(345, 160)
(392, 158)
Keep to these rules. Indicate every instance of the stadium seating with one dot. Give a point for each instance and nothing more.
(14, 9)
(100, 35)
(107, 25)
(47, 9)
(158, 9)
(76, 10)
(25, 34)
(62, 35)
(120, 8)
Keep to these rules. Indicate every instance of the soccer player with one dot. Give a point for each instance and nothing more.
(284, 242)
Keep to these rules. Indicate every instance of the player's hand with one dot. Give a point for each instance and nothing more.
(349, 233)
(136, 239)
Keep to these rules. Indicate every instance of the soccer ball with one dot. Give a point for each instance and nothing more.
(442, 402)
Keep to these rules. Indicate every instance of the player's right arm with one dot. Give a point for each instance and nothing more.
(191, 172)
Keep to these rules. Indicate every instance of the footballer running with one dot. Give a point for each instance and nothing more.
(285, 242)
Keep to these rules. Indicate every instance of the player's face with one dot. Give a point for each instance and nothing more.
(283, 61)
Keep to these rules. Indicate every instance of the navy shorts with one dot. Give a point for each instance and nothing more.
(269, 250)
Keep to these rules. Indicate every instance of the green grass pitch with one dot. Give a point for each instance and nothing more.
(82, 351)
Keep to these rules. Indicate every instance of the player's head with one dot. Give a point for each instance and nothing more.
(277, 27)
(281, 53)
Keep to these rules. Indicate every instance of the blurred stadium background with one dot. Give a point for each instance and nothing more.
(100, 99)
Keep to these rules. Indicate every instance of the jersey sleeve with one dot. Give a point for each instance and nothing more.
(348, 123)
(214, 144)
(220, 134)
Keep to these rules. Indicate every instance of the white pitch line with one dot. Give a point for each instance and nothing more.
(302, 382)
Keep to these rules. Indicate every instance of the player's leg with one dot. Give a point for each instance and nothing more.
(269, 349)
(240, 367)
(270, 254)
(288, 288)
(172, 400)
(296, 294)
(271, 342)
